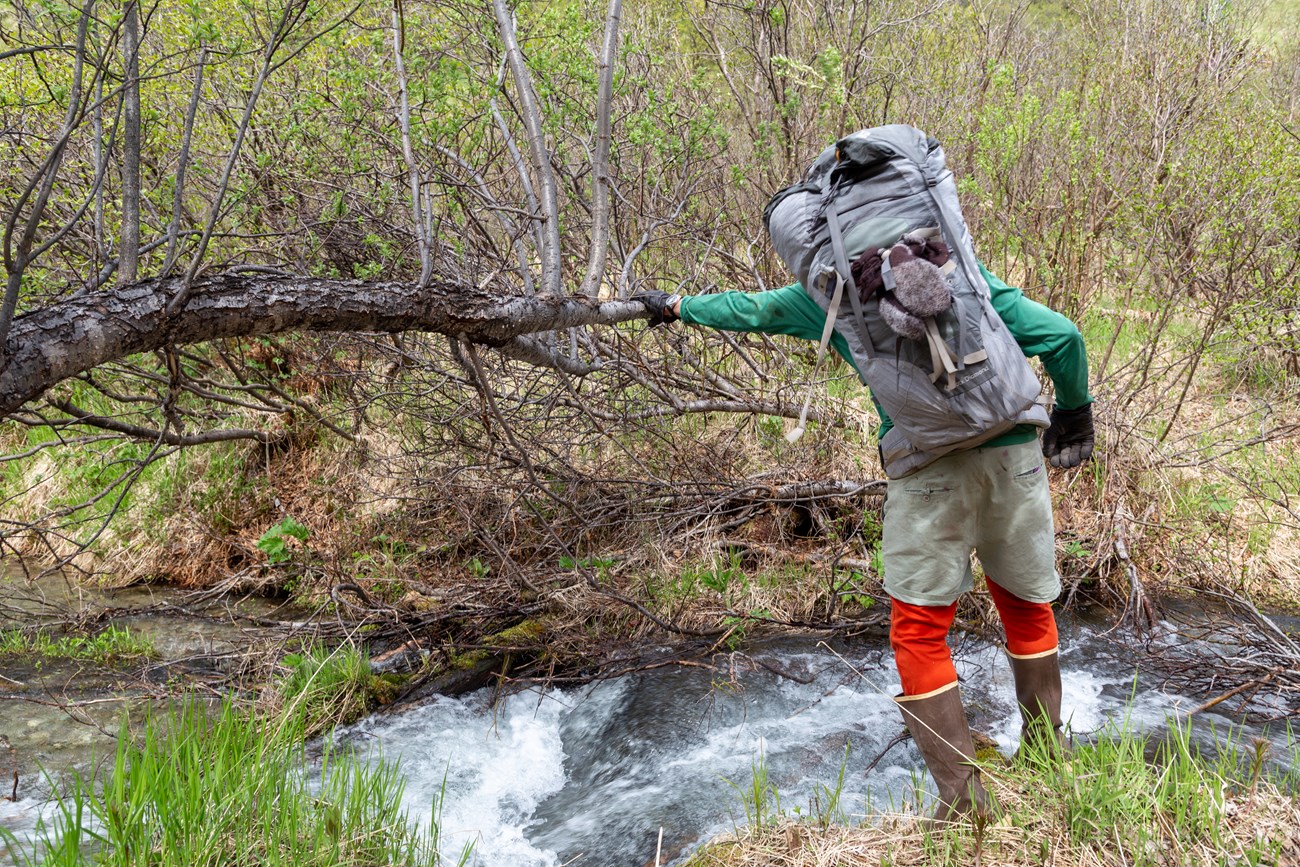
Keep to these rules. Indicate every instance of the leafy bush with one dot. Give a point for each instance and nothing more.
(275, 541)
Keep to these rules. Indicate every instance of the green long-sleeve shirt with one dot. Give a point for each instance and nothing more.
(1038, 330)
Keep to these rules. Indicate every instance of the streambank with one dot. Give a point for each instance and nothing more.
(61, 711)
(537, 776)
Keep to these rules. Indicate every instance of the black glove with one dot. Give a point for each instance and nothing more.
(1068, 442)
(659, 304)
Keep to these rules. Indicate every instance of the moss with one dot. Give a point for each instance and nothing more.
(418, 602)
(466, 661)
(385, 688)
(987, 751)
(528, 632)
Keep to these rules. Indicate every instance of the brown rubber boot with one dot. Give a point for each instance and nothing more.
(1038, 692)
(937, 722)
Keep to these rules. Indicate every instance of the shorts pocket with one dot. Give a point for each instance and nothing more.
(1030, 477)
(928, 490)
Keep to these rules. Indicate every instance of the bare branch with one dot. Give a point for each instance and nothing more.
(693, 407)
(404, 122)
(34, 49)
(16, 261)
(293, 10)
(521, 168)
(129, 248)
(541, 157)
(76, 335)
(600, 160)
(183, 164)
(533, 352)
(82, 417)
(481, 187)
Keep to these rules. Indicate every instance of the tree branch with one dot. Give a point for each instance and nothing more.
(183, 163)
(16, 261)
(423, 242)
(293, 11)
(600, 161)
(129, 247)
(139, 432)
(536, 145)
(73, 336)
(34, 49)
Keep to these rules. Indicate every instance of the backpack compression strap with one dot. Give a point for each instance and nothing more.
(843, 278)
(821, 353)
(845, 271)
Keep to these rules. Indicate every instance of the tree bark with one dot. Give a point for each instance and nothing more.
(129, 248)
(73, 336)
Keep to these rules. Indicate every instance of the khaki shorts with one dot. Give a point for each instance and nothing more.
(994, 501)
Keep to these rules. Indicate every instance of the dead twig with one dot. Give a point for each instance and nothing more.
(899, 738)
(1237, 690)
(1138, 611)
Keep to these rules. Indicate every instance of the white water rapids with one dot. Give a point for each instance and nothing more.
(589, 776)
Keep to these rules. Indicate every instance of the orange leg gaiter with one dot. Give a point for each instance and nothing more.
(1030, 626)
(919, 636)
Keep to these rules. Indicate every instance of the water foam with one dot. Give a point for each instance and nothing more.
(489, 768)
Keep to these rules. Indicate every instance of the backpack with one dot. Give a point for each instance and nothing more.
(927, 342)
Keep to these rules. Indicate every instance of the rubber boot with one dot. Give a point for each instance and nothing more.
(937, 722)
(1038, 692)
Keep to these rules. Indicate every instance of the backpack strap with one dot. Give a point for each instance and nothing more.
(821, 353)
(843, 278)
(941, 360)
(845, 272)
(948, 230)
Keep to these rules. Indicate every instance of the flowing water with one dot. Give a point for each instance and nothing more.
(591, 775)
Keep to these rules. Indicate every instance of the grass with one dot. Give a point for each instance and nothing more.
(229, 788)
(760, 797)
(107, 647)
(331, 686)
(695, 578)
(1116, 801)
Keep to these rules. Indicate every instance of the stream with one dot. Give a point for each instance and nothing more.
(60, 715)
(590, 775)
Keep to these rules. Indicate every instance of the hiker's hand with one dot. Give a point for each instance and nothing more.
(1068, 442)
(660, 305)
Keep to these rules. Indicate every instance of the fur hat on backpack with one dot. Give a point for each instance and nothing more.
(920, 288)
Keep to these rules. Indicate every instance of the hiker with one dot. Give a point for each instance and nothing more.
(983, 489)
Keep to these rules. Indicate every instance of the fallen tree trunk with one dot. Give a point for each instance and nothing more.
(64, 339)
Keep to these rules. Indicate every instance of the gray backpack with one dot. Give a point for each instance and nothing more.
(929, 344)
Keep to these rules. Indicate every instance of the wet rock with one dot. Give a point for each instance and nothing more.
(464, 675)
(408, 657)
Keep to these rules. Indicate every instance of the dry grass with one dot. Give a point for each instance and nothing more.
(1029, 834)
